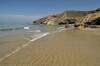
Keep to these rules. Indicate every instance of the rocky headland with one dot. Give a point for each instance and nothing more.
(91, 17)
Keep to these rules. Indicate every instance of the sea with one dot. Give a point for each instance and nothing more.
(8, 30)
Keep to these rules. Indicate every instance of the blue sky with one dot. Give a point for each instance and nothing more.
(28, 10)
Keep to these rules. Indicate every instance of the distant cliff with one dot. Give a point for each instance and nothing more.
(67, 16)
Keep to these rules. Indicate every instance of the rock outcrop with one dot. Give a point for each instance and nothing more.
(94, 19)
(68, 17)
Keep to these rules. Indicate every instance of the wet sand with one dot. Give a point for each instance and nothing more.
(10, 43)
(66, 48)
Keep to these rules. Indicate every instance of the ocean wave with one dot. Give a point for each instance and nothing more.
(9, 29)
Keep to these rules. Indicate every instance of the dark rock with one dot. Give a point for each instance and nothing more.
(98, 9)
(94, 22)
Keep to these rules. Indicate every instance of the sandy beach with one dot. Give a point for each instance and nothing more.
(66, 48)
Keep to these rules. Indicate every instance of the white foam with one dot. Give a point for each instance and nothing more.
(26, 28)
(23, 46)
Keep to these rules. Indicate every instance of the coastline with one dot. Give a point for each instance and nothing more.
(68, 47)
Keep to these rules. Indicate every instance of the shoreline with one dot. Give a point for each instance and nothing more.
(68, 47)
(64, 47)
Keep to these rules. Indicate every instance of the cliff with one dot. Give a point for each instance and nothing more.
(67, 16)
(94, 18)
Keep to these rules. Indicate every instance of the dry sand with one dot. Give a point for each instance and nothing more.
(66, 48)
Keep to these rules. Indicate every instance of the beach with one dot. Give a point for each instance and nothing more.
(63, 48)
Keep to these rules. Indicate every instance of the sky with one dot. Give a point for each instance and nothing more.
(12, 11)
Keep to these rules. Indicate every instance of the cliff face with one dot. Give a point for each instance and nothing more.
(67, 16)
(94, 18)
